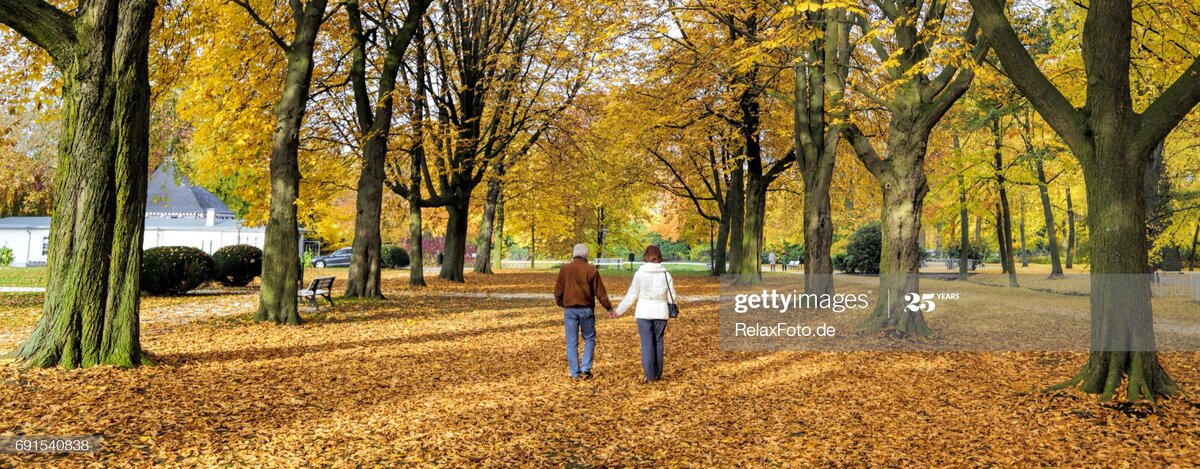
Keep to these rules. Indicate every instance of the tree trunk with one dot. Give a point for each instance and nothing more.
(374, 125)
(818, 235)
(363, 278)
(1024, 249)
(1123, 342)
(90, 316)
(735, 198)
(281, 250)
(899, 264)
(964, 243)
(721, 248)
(500, 243)
(416, 266)
(749, 269)
(1192, 255)
(1005, 254)
(1070, 231)
(483, 257)
(454, 260)
(1003, 214)
(1056, 270)
(532, 245)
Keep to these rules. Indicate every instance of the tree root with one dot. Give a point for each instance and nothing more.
(1105, 372)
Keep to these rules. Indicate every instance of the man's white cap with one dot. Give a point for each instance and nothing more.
(580, 250)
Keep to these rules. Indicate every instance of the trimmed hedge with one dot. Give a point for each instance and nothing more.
(175, 270)
(862, 255)
(238, 264)
(394, 257)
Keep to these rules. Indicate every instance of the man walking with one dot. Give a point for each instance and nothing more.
(576, 291)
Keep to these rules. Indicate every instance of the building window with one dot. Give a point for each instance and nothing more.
(45, 245)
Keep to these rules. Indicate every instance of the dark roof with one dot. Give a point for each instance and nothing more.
(170, 192)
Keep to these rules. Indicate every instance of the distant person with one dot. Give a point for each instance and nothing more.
(576, 291)
(771, 260)
(784, 265)
(652, 287)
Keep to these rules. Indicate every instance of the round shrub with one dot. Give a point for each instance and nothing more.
(862, 255)
(175, 270)
(394, 257)
(237, 265)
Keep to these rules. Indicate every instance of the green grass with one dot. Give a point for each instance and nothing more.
(22, 276)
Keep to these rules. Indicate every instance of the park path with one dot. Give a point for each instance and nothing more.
(219, 303)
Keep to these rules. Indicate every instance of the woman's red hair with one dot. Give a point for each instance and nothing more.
(652, 254)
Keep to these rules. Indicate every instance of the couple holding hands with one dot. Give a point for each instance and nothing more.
(579, 287)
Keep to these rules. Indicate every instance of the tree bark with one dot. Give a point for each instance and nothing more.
(454, 260)
(362, 281)
(1056, 270)
(500, 243)
(1070, 231)
(736, 200)
(722, 246)
(964, 242)
(1024, 249)
(1195, 241)
(900, 261)
(90, 315)
(281, 250)
(483, 255)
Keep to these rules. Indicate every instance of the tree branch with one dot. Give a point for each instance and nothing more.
(1055, 109)
(40, 23)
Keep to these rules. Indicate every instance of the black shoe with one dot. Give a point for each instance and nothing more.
(586, 375)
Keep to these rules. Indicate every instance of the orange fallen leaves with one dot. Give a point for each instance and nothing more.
(431, 380)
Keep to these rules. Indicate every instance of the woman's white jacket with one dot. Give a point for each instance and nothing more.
(650, 287)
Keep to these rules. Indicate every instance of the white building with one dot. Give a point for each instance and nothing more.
(177, 214)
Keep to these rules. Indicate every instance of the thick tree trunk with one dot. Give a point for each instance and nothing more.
(1070, 231)
(750, 269)
(363, 278)
(1056, 270)
(483, 256)
(899, 265)
(90, 316)
(1123, 343)
(735, 198)
(281, 250)
(454, 260)
(818, 235)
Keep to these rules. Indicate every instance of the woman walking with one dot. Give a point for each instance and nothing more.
(653, 289)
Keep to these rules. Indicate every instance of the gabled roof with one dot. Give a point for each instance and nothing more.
(167, 191)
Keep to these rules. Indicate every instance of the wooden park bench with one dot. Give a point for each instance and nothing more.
(321, 286)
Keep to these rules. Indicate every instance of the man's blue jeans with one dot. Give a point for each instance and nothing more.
(580, 320)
